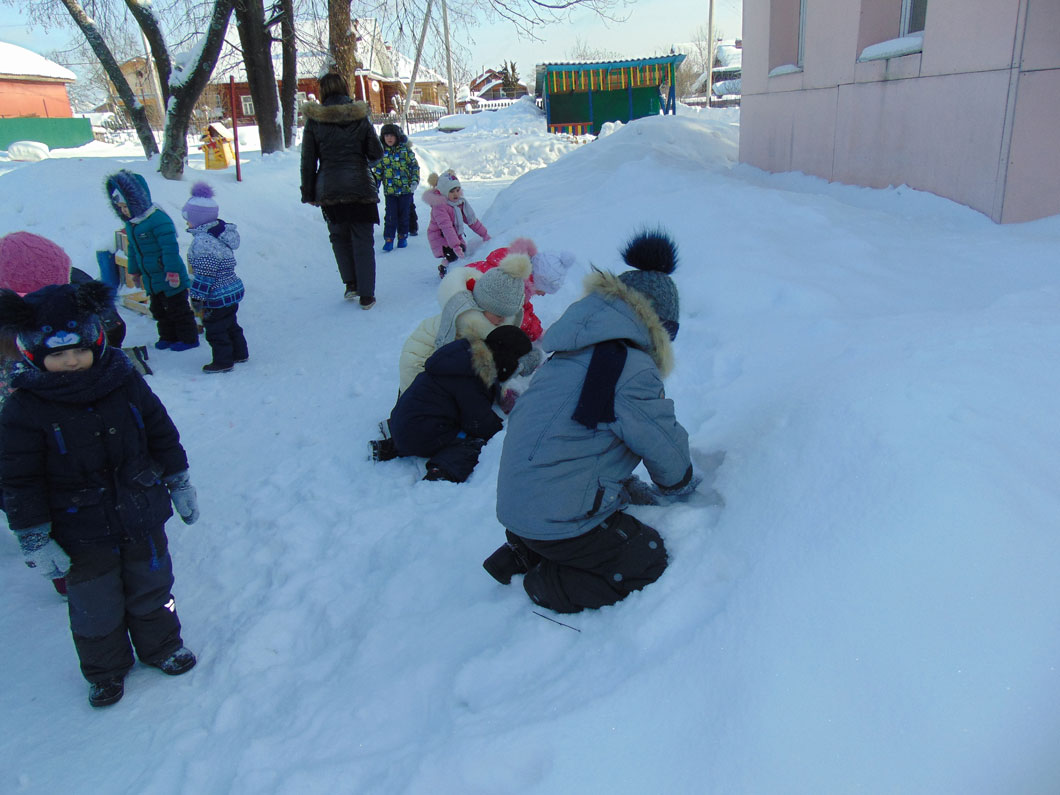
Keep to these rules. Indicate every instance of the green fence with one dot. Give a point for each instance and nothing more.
(56, 133)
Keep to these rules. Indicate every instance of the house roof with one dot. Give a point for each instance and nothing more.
(19, 62)
(379, 60)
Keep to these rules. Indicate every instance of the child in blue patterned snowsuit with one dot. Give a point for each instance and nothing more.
(399, 173)
(215, 285)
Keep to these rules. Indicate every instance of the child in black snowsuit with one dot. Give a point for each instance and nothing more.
(91, 462)
(447, 414)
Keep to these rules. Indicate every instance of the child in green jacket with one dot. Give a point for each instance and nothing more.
(154, 260)
(399, 173)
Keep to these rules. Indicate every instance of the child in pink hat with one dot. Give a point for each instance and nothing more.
(28, 262)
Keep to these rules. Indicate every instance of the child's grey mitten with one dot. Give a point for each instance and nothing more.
(41, 551)
(679, 494)
(638, 492)
(529, 362)
(185, 500)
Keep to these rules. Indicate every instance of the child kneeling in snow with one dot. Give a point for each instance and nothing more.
(215, 285)
(90, 464)
(472, 304)
(447, 412)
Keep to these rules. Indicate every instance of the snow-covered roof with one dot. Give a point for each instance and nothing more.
(728, 55)
(378, 59)
(17, 61)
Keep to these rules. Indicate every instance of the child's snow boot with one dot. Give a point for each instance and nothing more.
(403, 241)
(179, 662)
(351, 291)
(511, 558)
(388, 245)
(217, 367)
(183, 346)
(442, 270)
(107, 692)
(383, 449)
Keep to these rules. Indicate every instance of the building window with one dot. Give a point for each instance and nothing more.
(299, 97)
(914, 12)
(248, 106)
(787, 23)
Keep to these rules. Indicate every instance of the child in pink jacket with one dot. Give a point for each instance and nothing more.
(450, 211)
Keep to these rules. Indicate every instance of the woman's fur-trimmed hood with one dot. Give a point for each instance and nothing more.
(344, 113)
(611, 310)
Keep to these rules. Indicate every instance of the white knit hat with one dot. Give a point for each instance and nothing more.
(446, 182)
(550, 269)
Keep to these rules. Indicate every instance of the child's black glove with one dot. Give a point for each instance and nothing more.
(185, 500)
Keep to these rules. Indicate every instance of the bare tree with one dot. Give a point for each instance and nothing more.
(179, 84)
(289, 90)
(44, 13)
(256, 42)
(184, 86)
(342, 43)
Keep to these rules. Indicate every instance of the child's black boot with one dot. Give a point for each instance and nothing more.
(107, 692)
(179, 662)
(382, 449)
(511, 558)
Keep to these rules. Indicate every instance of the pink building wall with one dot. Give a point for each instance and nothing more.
(974, 116)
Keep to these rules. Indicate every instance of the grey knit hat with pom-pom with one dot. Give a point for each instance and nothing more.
(654, 254)
(502, 290)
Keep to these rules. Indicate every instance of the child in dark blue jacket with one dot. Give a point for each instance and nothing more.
(447, 413)
(91, 462)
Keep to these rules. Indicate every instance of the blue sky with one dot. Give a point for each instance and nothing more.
(652, 26)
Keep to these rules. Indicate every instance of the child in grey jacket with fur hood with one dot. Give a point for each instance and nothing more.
(594, 411)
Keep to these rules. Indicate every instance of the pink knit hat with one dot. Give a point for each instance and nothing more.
(29, 262)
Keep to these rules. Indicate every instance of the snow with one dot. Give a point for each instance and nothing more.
(27, 150)
(20, 62)
(873, 609)
(893, 48)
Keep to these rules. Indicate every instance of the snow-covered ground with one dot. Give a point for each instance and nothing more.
(874, 609)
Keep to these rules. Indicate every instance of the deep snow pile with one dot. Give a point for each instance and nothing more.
(873, 609)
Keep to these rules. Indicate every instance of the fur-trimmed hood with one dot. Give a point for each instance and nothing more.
(133, 188)
(343, 113)
(456, 357)
(433, 197)
(611, 311)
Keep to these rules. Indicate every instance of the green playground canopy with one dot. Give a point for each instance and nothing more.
(580, 96)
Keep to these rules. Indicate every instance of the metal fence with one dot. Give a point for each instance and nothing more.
(419, 118)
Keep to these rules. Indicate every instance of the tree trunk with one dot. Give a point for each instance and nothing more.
(137, 112)
(185, 86)
(342, 44)
(290, 71)
(257, 56)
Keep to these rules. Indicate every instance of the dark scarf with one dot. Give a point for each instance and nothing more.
(596, 403)
(83, 386)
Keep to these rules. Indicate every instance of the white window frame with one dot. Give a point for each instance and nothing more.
(907, 13)
(802, 34)
(248, 104)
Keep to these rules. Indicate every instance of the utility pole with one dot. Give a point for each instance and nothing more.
(448, 59)
(710, 52)
(415, 67)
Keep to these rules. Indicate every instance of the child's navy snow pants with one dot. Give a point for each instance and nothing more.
(119, 592)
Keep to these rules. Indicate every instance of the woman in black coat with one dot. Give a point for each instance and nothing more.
(339, 146)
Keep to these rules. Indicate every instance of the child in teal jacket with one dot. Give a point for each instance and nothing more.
(154, 259)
